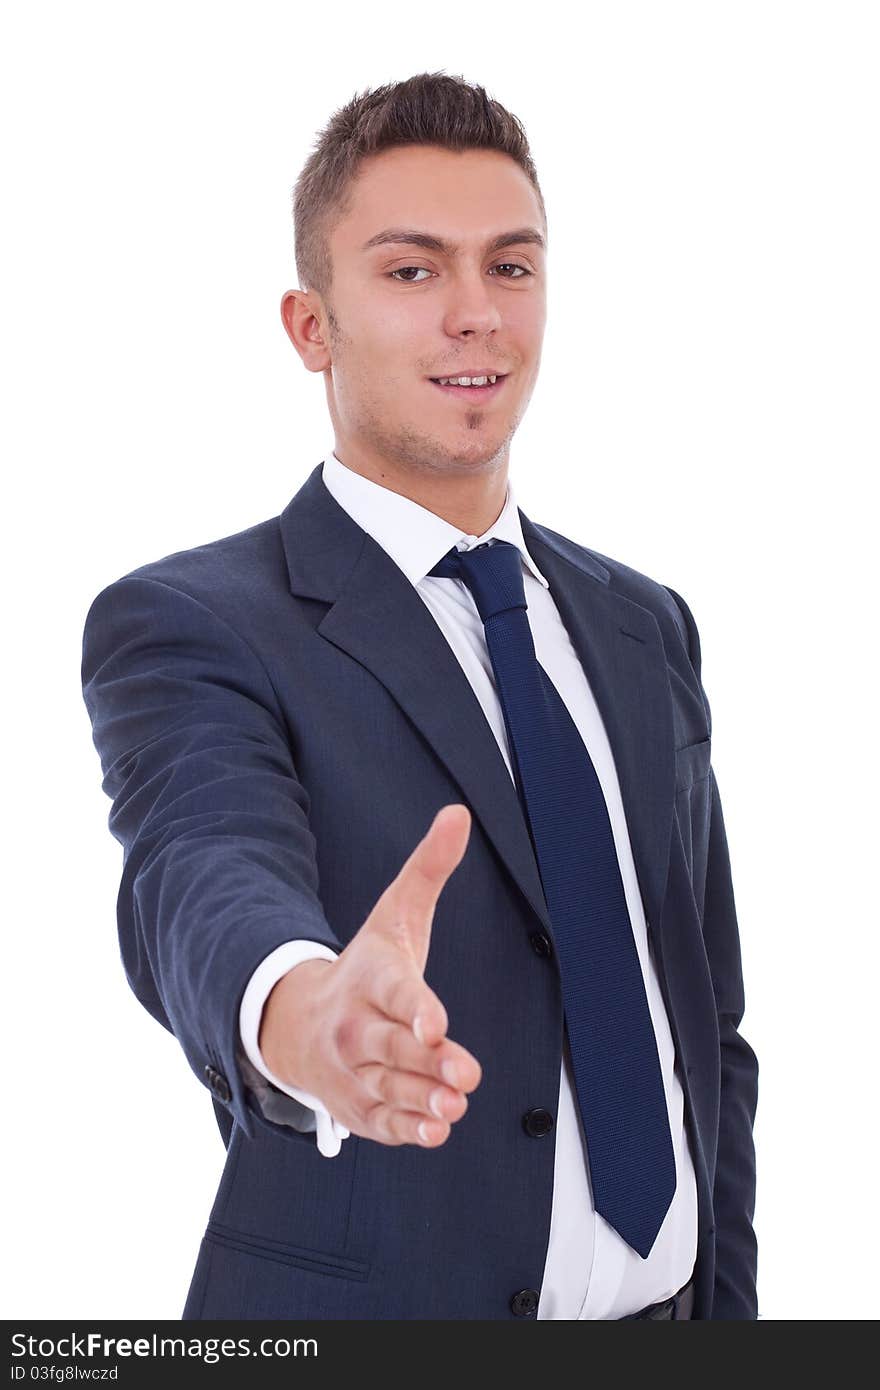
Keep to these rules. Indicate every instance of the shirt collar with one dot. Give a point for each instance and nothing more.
(414, 537)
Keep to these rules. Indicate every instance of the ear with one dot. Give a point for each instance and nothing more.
(302, 316)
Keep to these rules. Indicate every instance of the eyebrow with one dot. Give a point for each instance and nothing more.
(410, 237)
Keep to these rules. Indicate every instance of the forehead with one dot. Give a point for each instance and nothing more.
(463, 196)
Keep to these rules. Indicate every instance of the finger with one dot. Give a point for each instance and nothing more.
(406, 908)
(378, 1039)
(363, 1114)
(408, 1090)
(400, 992)
(389, 1125)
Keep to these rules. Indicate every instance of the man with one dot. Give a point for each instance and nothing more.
(425, 863)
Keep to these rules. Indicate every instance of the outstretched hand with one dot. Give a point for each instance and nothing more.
(365, 1032)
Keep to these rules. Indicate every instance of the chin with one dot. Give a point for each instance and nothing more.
(472, 454)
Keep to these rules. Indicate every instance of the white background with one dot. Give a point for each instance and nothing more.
(707, 413)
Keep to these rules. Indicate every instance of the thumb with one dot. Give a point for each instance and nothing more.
(406, 908)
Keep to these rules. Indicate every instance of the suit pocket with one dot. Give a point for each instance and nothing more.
(692, 763)
(297, 1256)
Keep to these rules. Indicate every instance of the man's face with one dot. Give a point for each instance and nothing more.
(400, 314)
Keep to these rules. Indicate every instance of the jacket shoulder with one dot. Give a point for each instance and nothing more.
(667, 606)
(250, 561)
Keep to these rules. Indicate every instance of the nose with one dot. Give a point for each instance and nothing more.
(471, 307)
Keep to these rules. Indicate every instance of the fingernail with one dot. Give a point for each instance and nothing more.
(448, 1072)
(417, 1028)
(434, 1104)
(423, 1132)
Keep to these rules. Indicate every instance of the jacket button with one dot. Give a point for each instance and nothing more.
(218, 1084)
(541, 943)
(524, 1304)
(537, 1122)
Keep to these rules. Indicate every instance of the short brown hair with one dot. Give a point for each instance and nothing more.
(431, 108)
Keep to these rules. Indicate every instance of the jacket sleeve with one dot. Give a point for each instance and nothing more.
(219, 864)
(735, 1291)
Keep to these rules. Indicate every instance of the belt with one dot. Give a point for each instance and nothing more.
(680, 1305)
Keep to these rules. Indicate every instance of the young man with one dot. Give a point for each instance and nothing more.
(425, 863)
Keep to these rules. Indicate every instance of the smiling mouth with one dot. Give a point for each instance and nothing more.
(477, 393)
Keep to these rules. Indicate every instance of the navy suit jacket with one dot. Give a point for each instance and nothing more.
(279, 718)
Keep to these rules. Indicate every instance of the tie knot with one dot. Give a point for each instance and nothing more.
(492, 572)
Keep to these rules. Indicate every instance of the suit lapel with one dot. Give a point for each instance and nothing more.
(621, 651)
(378, 618)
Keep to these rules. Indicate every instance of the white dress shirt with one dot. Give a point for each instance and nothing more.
(590, 1272)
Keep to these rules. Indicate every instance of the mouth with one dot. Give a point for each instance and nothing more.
(473, 393)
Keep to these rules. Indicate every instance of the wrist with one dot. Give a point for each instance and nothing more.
(284, 1023)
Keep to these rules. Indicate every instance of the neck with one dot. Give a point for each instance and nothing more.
(470, 503)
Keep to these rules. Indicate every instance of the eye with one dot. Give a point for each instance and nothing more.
(403, 268)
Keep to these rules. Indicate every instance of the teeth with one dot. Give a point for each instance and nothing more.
(466, 380)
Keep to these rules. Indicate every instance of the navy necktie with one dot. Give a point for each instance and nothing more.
(614, 1052)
